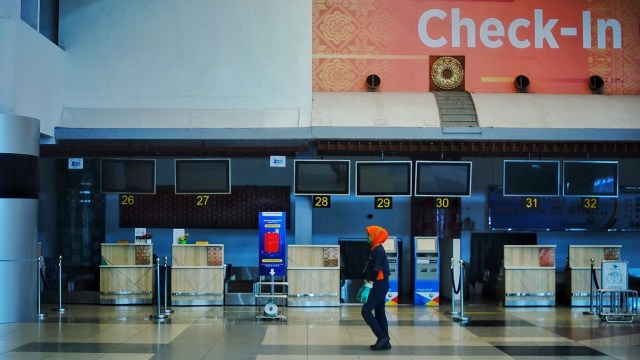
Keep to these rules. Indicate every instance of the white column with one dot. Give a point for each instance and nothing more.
(18, 227)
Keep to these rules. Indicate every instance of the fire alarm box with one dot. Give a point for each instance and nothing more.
(271, 243)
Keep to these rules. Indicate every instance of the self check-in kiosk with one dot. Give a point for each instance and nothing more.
(391, 248)
(353, 258)
(427, 271)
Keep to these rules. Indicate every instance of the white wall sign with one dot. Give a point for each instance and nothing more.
(278, 161)
(76, 163)
(176, 234)
(614, 275)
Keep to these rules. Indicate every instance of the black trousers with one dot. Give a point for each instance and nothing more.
(373, 311)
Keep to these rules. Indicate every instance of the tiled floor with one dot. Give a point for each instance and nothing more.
(338, 333)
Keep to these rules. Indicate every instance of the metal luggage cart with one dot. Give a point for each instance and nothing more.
(623, 302)
(622, 305)
(271, 299)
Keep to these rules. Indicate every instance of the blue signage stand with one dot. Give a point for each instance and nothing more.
(272, 243)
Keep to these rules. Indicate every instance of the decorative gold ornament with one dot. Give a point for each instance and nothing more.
(447, 73)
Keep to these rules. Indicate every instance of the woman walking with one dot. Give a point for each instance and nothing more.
(374, 290)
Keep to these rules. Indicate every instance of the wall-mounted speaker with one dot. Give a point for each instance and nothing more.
(373, 81)
(596, 84)
(521, 83)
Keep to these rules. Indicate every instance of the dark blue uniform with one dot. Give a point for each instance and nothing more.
(377, 263)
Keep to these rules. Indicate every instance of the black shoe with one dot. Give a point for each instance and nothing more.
(381, 344)
(380, 341)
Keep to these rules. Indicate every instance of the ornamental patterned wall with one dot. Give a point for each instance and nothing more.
(238, 210)
(355, 38)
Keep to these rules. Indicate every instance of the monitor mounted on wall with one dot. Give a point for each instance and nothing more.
(128, 176)
(443, 178)
(590, 178)
(321, 177)
(531, 178)
(383, 178)
(203, 176)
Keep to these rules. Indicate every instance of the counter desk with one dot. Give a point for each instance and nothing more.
(579, 270)
(197, 274)
(529, 275)
(126, 273)
(313, 275)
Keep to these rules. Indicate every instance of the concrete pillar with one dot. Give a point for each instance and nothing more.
(303, 220)
(19, 191)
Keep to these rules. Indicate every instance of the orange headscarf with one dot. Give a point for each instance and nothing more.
(377, 234)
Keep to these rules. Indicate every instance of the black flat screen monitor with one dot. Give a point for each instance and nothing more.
(383, 178)
(321, 177)
(531, 178)
(202, 176)
(443, 178)
(590, 178)
(128, 176)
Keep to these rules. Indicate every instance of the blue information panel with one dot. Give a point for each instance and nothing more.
(272, 243)
(564, 213)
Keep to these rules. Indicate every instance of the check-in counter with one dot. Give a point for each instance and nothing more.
(529, 275)
(126, 273)
(313, 275)
(197, 274)
(579, 270)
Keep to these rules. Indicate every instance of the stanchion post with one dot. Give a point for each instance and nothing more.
(461, 288)
(591, 309)
(166, 280)
(461, 318)
(453, 291)
(60, 309)
(158, 316)
(40, 315)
